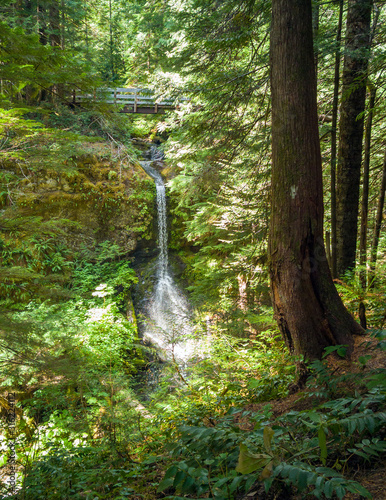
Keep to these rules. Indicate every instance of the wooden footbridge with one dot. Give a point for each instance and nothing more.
(127, 100)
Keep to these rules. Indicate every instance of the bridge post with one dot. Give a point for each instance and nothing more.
(135, 101)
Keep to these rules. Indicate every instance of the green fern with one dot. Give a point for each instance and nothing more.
(324, 481)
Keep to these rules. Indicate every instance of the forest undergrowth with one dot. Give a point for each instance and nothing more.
(226, 427)
(229, 430)
(81, 416)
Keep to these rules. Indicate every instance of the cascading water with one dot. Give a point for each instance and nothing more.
(167, 324)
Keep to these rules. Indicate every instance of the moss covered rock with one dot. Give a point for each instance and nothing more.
(49, 214)
(108, 201)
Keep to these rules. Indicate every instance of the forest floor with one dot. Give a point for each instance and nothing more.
(372, 479)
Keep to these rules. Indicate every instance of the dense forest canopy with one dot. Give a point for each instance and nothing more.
(265, 130)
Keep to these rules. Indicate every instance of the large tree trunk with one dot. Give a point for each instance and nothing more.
(315, 34)
(365, 188)
(62, 24)
(308, 309)
(366, 167)
(42, 32)
(333, 141)
(54, 20)
(41, 23)
(56, 90)
(356, 58)
(377, 226)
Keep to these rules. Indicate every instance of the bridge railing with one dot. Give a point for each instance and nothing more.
(131, 98)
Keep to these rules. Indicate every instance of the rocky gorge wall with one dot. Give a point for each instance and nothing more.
(93, 198)
(106, 201)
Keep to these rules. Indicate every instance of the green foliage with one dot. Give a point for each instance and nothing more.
(32, 141)
(70, 472)
(75, 329)
(352, 292)
(30, 66)
(37, 157)
(202, 449)
(195, 431)
(326, 482)
(144, 126)
(93, 120)
(73, 361)
(228, 373)
(307, 451)
(33, 256)
(82, 432)
(118, 275)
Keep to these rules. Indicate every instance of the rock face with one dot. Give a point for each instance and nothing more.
(104, 200)
(53, 214)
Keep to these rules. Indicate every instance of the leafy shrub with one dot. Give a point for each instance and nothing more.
(308, 451)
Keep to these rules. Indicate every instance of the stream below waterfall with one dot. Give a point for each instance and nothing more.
(166, 322)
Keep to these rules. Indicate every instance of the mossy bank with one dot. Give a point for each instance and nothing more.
(59, 205)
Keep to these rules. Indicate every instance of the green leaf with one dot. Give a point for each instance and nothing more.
(235, 483)
(250, 481)
(221, 482)
(187, 485)
(319, 482)
(267, 438)
(178, 478)
(253, 383)
(370, 424)
(351, 425)
(361, 424)
(342, 351)
(355, 487)
(314, 416)
(168, 479)
(327, 472)
(328, 488)
(364, 359)
(249, 462)
(322, 444)
(302, 480)
(294, 474)
(164, 484)
(362, 454)
(340, 492)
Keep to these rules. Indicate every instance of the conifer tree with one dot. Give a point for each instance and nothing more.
(308, 309)
(357, 51)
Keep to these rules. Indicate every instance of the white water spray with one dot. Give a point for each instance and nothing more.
(168, 324)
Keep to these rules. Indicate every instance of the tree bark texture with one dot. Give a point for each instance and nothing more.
(357, 51)
(308, 309)
(365, 187)
(315, 34)
(41, 23)
(54, 20)
(377, 225)
(333, 140)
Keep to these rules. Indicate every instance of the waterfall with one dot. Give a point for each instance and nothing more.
(168, 323)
